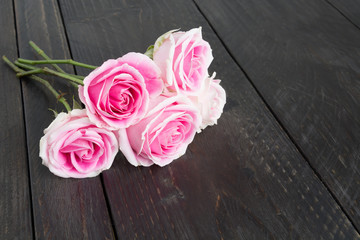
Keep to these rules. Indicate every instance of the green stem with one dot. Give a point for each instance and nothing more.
(29, 67)
(60, 61)
(77, 76)
(75, 85)
(25, 66)
(42, 53)
(63, 75)
(42, 81)
(31, 72)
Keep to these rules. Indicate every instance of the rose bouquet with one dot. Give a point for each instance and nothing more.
(149, 106)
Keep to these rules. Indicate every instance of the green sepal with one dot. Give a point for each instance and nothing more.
(162, 38)
(76, 105)
(54, 112)
(150, 51)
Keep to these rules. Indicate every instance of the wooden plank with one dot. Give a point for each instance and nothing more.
(15, 206)
(349, 8)
(63, 208)
(303, 57)
(240, 179)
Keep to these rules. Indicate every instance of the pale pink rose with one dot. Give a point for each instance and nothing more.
(163, 135)
(74, 147)
(116, 94)
(210, 102)
(183, 58)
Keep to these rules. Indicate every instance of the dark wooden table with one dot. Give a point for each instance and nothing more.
(282, 163)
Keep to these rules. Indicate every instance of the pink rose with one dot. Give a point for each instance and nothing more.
(74, 147)
(184, 58)
(163, 135)
(116, 94)
(210, 102)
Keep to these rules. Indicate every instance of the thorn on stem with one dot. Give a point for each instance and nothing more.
(61, 95)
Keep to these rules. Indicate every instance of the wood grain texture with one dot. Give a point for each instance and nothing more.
(349, 8)
(304, 58)
(15, 206)
(241, 179)
(63, 208)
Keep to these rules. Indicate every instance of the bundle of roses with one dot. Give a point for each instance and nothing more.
(149, 106)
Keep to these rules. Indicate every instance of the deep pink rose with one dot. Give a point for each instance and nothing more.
(116, 94)
(210, 102)
(74, 147)
(163, 135)
(183, 58)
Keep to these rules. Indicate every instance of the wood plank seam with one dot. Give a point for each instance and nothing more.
(108, 205)
(101, 176)
(275, 116)
(342, 14)
(66, 34)
(25, 128)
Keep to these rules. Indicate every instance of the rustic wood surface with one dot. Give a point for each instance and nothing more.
(15, 205)
(282, 163)
(310, 80)
(62, 208)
